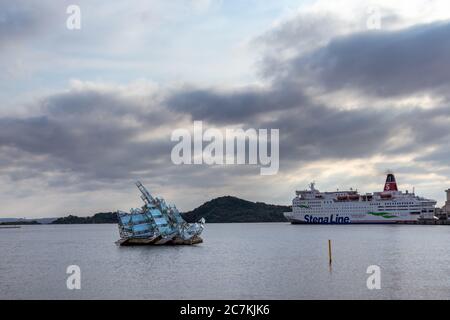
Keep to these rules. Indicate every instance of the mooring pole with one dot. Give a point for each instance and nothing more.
(329, 251)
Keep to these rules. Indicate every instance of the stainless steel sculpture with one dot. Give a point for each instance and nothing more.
(156, 223)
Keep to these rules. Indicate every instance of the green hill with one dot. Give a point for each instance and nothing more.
(223, 209)
(102, 217)
(19, 223)
(232, 209)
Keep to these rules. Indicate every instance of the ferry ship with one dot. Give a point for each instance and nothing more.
(350, 207)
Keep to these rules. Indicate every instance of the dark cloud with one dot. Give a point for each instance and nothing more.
(326, 133)
(375, 63)
(237, 106)
(301, 34)
(380, 63)
(87, 129)
(89, 139)
(441, 156)
(89, 133)
(20, 20)
(310, 132)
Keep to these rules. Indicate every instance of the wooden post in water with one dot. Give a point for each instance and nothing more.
(329, 251)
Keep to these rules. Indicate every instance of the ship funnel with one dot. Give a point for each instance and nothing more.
(390, 184)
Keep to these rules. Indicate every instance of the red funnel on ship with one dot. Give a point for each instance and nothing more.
(390, 184)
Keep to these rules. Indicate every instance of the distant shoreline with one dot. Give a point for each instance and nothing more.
(225, 209)
(21, 222)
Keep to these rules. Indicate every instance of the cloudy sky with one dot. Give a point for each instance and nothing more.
(84, 113)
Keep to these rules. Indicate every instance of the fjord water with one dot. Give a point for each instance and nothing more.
(236, 261)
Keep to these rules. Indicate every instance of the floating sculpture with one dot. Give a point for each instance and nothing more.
(156, 223)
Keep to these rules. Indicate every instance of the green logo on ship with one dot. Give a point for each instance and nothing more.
(385, 215)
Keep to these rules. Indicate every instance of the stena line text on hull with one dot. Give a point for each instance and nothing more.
(331, 219)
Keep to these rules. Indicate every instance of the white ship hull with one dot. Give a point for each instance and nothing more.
(350, 207)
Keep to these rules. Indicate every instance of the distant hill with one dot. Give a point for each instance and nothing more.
(40, 220)
(232, 209)
(20, 222)
(102, 217)
(223, 209)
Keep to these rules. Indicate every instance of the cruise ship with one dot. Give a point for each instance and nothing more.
(345, 207)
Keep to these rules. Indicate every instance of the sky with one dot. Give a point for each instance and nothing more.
(355, 88)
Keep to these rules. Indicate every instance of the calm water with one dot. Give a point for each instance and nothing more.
(236, 261)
